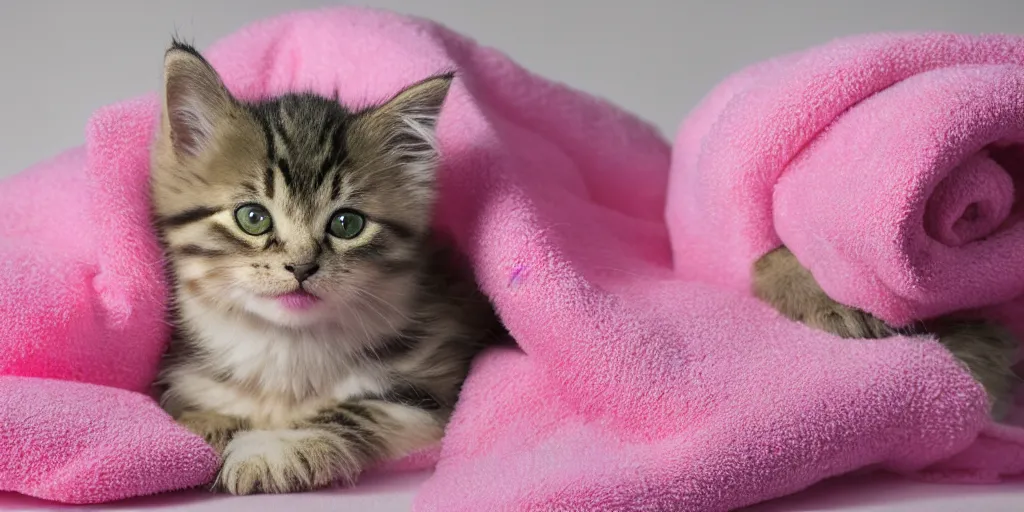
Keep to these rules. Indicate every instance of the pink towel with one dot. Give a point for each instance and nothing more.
(634, 388)
(82, 297)
(83, 443)
(888, 164)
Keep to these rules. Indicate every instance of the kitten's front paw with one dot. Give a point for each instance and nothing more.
(216, 429)
(283, 461)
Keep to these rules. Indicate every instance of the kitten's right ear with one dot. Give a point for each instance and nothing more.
(195, 99)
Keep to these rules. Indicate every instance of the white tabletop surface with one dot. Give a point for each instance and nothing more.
(395, 494)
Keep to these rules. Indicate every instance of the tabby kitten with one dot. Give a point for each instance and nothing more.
(320, 326)
(984, 348)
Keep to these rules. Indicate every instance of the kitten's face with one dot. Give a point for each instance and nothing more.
(295, 209)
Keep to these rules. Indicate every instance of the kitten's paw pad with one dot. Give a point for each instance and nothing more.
(284, 461)
(848, 322)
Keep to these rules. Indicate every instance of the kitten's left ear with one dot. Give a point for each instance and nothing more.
(195, 100)
(406, 123)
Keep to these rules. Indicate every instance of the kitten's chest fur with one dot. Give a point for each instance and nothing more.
(420, 346)
(270, 375)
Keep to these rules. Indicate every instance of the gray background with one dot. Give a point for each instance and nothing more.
(60, 60)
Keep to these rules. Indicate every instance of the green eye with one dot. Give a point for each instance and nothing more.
(253, 219)
(346, 224)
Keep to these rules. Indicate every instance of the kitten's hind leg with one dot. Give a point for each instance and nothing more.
(987, 350)
(984, 348)
(782, 282)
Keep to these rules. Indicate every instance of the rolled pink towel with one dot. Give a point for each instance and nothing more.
(971, 202)
(889, 164)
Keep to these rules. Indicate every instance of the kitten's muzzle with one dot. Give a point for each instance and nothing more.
(303, 271)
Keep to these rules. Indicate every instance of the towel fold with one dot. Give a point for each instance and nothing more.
(889, 164)
(82, 443)
(635, 385)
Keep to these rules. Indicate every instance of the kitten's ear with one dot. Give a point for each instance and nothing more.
(419, 103)
(408, 120)
(195, 100)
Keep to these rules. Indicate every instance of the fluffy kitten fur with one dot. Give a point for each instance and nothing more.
(299, 399)
(984, 348)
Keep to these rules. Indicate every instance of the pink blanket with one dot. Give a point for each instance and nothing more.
(638, 385)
